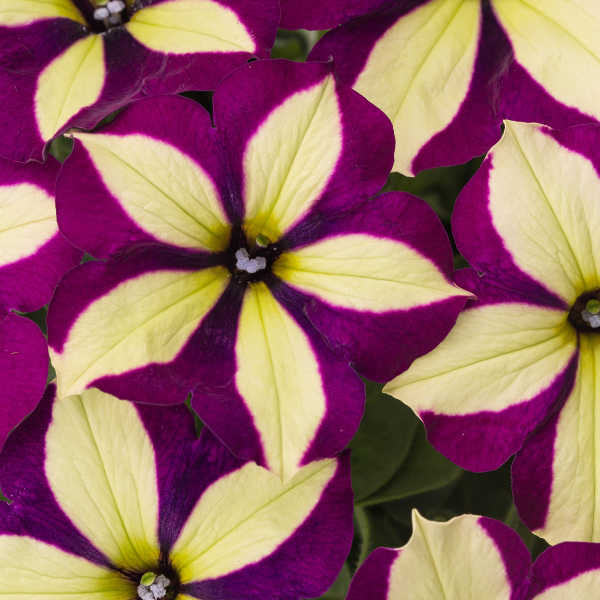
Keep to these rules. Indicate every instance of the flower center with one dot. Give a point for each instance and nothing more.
(153, 586)
(585, 314)
(250, 262)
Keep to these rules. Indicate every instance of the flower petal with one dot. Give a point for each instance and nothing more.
(25, 12)
(302, 150)
(71, 82)
(555, 474)
(281, 379)
(377, 283)
(100, 465)
(33, 254)
(568, 570)
(289, 161)
(428, 67)
(24, 368)
(467, 557)
(209, 544)
(491, 382)
(300, 529)
(180, 178)
(556, 44)
(134, 315)
(164, 192)
(33, 569)
(541, 201)
(34, 511)
(365, 273)
(189, 26)
(313, 14)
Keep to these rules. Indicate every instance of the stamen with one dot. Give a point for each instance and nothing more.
(591, 313)
(250, 265)
(101, 13)
(152, 587)
(110, 12)
(115, 6)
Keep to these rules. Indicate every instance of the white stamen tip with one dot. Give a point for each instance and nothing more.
(590, 318)
(115, 6)
(155, 591)
(101, 13)
(144, 593)
(250, 265)
(162, 581)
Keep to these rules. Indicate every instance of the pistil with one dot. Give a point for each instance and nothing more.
(590, 314)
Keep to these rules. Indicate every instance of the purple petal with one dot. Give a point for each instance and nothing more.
(244, 100)
(476, 125)
(372, 578)
(27, 284)
(95, 220)
(480, 243)
(306, 564)
(313, 14)
(34, 510)
(382, 345)
(25, 52)
(24, 368)
(567, 564)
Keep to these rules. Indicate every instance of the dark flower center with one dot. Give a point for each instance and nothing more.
(585, 313)
(250, 263)
(103, 15)
(158, 583)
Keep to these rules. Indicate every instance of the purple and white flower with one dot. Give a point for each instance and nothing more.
(70, 63)
(114, 501)
(245, 263)
(519, 372)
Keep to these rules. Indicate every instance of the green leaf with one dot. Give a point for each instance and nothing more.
(339, 589)
(381, 443)
(536, 545)
(423, 470)
(376, 529)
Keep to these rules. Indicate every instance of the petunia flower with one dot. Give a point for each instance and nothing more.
(519, 371)
(33, 256)
(245, 264)
(476, 558)
(70, 63)
(116, 501)
(447, 72)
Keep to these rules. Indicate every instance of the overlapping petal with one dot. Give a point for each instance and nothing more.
(447, 71)
(429, 67)
(102, 488)
(63, 68)
(266, 353)
(517, 372)
(475, 557)
(33, 256)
